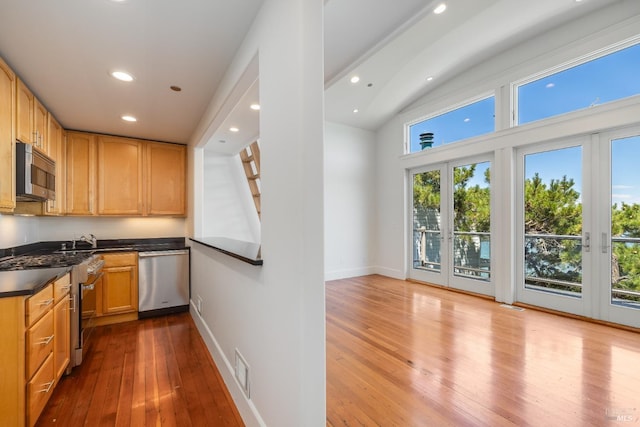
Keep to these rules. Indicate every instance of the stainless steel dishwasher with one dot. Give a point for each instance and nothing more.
(163, 282)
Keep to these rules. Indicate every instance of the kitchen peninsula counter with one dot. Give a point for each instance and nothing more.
(248, 252)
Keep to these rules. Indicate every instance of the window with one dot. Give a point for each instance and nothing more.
(473, 119)
(604, 79)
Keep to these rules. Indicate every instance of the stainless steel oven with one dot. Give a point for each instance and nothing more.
(84, 278)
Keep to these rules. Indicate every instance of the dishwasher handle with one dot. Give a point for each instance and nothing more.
(151, 254)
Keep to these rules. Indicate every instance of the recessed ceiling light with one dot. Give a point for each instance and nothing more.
(122, 76)
(129, 119)
(355, 79)
(234, 129)
(440, 8)
(429, 78)
(355, 110)
(255, 107)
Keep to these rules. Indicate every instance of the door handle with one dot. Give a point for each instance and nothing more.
(605, 241)
(586, 242)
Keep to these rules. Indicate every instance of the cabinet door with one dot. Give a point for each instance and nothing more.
(40, 117)
(81, 172)
(119, 176)
(120, 283)
(55, 150)
(24, 113)
(61, 331)
(165, 176)
(7, 145)
(39, 390)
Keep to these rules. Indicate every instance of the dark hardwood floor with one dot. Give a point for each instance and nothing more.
(405, 354)
(152, 372)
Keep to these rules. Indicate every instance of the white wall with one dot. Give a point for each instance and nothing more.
(274, 314)
(228, 209)
(350, 194)
(19, 230)
(587, 34)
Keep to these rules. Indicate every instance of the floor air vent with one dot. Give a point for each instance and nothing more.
(512, 307)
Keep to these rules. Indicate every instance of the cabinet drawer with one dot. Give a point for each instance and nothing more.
(38, 304)
(39, 343)
(61, 287)
(39, 390)
(120, 259)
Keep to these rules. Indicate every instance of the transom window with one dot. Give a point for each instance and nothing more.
(604, 79)
(472, 119)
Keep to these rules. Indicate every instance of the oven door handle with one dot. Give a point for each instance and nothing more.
(91, 286)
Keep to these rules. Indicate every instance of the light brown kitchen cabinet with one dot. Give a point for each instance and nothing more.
(12, 362)
(31, 117)
(24, 113)
(165, 168)
(61, 325)
(27, 366)
(7, 138)
(40, 124)
(110, 175)
(120, 283)
(39, 337)
(80, 173)
(56, 150)
(120, 181)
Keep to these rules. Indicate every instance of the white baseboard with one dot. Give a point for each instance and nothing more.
(351, 272)
(389, 272)
(247, 409)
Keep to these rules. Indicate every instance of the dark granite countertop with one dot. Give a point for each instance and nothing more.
(28, 282)
(244, 251)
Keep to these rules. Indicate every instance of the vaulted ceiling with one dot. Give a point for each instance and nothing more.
(64, 51)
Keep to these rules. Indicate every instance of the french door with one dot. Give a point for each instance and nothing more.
(579, 226)
(451, 225)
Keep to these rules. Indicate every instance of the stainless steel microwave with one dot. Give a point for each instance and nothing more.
(35, 174)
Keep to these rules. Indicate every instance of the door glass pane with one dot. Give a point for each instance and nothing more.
(426, 221)
(553, 221)
(625, 222)
(471, 222)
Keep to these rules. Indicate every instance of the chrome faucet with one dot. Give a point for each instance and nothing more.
(91, 240)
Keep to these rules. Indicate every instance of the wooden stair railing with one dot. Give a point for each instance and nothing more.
(250, 157)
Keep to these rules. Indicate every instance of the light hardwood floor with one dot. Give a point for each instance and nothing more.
(398, 354)
(405, 354)
(152, 372)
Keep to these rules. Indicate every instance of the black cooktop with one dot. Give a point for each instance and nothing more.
(53, 260)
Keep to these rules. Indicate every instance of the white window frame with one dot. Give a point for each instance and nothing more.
(450, 108)
(592, 56)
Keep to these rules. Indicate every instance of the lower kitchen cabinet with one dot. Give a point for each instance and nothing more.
(61, 326)
(119, 295)
(30, 337)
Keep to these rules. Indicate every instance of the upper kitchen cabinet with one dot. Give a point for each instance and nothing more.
(7, 138)
(81, 173)
(31, 117)
(165, 167)
(56, 150)
(120, 182)
(110, 175)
